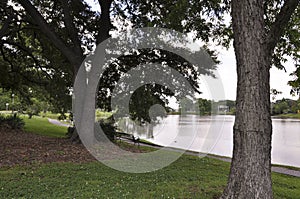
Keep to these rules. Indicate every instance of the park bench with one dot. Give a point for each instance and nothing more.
(134, 139)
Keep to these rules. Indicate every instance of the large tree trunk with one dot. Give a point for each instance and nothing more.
(102, 35)
(250, 174)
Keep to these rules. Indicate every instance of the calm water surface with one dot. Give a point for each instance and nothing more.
(213, 134)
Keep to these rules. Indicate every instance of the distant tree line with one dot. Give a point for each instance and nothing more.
(206, 107)
(284, 106)
(31, 105)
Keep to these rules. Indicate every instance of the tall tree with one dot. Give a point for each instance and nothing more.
(59, 34)
(31, 59)
(254, 44)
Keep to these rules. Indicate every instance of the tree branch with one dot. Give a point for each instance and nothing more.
(30, 54)
(281, 21)
(74, 59)
(5, 58)
(4, 28)
(105, 23)
(15, 70)
(73, 32)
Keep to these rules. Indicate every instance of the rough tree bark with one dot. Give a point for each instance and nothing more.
(250, 174)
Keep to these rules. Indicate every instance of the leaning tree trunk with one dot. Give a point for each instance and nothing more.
(74, 54)
(250, 174)
(102, 35)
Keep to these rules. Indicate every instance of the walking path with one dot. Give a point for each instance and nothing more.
(57, 122)
(286, 171)
(277, 169)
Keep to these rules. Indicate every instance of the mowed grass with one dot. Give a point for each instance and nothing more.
(188, 177)
(42, 126)
(285, 186)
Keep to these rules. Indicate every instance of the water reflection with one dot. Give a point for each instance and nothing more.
(213, 134)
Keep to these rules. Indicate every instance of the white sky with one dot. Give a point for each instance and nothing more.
(227, 72)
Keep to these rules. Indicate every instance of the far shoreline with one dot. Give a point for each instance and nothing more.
(287, 116)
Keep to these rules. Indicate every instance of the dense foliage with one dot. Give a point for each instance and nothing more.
(284, 106)
(12, 121)
(43, 45)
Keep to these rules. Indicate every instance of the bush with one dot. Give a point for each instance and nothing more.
(13, 121)
(73, 135)
(62, 116)
(107, 126)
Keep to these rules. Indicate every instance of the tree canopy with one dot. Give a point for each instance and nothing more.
(44, 43)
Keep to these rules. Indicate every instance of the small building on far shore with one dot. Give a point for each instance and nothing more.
(223, 109)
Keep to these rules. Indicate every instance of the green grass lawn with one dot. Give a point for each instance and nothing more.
(188, 177)
(102, 115)
(42, 126)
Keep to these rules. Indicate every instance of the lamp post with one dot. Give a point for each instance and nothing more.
(7, 104)
(12, 101)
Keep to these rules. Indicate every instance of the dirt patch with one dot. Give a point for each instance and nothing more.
(20, 148)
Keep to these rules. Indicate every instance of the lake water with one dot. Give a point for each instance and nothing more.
(214, 134)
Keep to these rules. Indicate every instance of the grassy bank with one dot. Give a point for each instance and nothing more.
(288, 115)
(42, 126)
(188, 177)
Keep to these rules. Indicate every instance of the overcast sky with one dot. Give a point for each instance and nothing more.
(227, 71)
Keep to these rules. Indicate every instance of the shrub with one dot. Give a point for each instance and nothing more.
(62, 117)
(73, 135)
(107, 126)
(13, 121)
